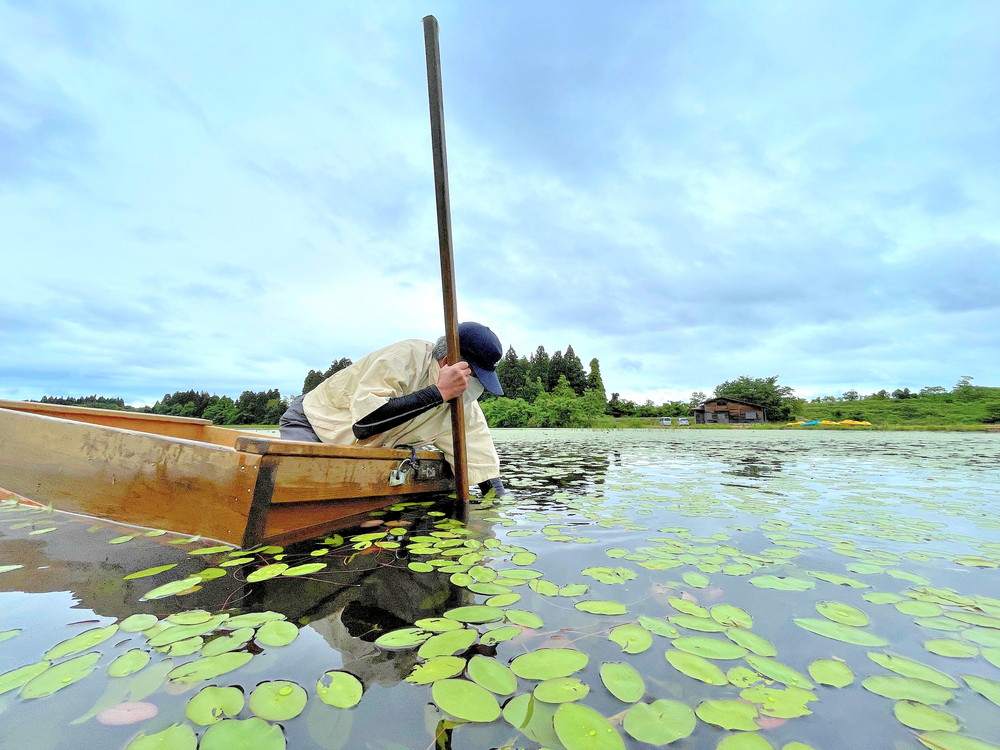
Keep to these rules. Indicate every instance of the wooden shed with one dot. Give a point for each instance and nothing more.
(724, 410)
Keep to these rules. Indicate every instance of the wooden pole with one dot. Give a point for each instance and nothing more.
(436, 100)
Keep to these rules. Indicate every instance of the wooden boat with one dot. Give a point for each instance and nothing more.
(189, 476)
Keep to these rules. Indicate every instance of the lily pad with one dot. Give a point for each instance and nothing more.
(174, 737)
(696, 580)
(582, 728)
(701, 624)
(840, 632)
(728, 714)
(80, 643)
(831, 672)
(436, 668)
(989, 689)
(533, 718)
(492, 675)
(658, 627)
(208, 667)
(339, 689)
(213, 704)
(782, 703)
(910, 668)
(633, 639)
(660, 722)
(499, 635)
(842, 613)
(173, 588)
(919, 716)
(402, 638)
(465, 700)
(907, 688)
(731, 616)
(523, 618)
(547, 663)
(751, 641)
(623, 681)
(149, 572)
(561, 690)
(696, 667)
(128, 663)
(775, 670)
(939, 740)
(710, 648)
(267, 572)
(277, 700)
(232, 642)
(596, 607)
(277, 633)
(475, 613)
(782, 583)
(60, 676)
(448, 644)
(688, 607)
(243, 733)
(951, 647)
(17, 677)
(137, 623)
(303, 570)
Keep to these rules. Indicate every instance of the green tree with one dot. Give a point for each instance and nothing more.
(620, 408)
(594, 380)
(557, 369)
(851, 395)
(932, 390)
(540, 366)
(512, 371)
(574, 372)
(222, 411)
(697, 397)
(777, 401)
(507, 412)
(315, 377)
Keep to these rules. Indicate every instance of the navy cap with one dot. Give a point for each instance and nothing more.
(480, 347)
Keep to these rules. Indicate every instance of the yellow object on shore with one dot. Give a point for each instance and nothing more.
(853, 422)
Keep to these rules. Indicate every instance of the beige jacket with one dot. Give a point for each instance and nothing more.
(397, 370)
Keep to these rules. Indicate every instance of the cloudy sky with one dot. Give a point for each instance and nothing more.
(224, 195)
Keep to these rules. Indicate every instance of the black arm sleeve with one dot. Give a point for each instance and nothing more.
(397, 411)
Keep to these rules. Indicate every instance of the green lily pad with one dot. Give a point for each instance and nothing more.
(303, 570)
(623, 681)
(701, 624)
(744, 741)
(62, 675)
(235, 640)
(941, 623)
(782, 703)
(339, 689)
(918, 609)
(842, 613)
(503, 600)
(190, 617)
(522, 558)
(840, 632)
(696, 667)
(128, 663)
(939, 740)
(267, 572)
(543, 587)
(909, 668)
(782, 583)
(149, 572)
(574, 589)
(596, 607)
(731, 616)
(582, 728)
(982, 636)
(475, 613)
(243, 733)
(277, 700)
(919, 716)
(438, 624)
(831, 672)
(775, 670)
(688, 607)
(174, 737)
(728, 714)
(907, 688)
(523, 618)
(751, 641)
(633, 639)
(560, 690)
(253, 619)
(448, 644)
(80, 643)
(182, 632)
(213, 704)
(839, 580)
(17, 677)
(490, 674)
(743, 677)
(211, 550)
(436, 668)
(533, 718)
(989, 689)
(173, 588)
(277, 633)
(208, 667)
(660, 722)
(137, 623)
(710, 648)
(547, 663)
(696, 580)
(8, 634)
(658, 627)
(499, 635)
(951, 647)
(402, 638)
(465, 700)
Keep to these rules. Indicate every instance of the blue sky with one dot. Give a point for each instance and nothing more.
(224, 195)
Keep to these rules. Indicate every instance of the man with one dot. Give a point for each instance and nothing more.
(398, 396)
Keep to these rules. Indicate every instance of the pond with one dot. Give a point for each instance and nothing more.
(731, 589)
